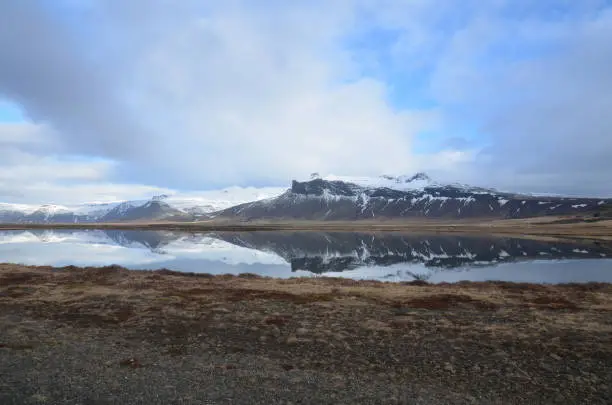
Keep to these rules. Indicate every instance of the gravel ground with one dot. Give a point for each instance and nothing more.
(92, 367)
(113, 336)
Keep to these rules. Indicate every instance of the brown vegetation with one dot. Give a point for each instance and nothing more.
(115, 295)
(484, 340)
(448, 301)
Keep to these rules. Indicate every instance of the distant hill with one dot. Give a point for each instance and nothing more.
(163, 207)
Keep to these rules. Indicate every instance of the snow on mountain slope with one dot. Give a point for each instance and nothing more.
(196, 203)
(49, 210)
(416, 182)
(46, 210)
(335, 197)
(188, 205)
(394, 197)
(402, 183)
(23, 208)
(98, 209)
(215, 200)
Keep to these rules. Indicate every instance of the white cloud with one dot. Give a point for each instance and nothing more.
(529, 80)
(200, 94)
(22, 137)
(32, 168)
(30, 174)
(18, 133)
(215, 93)
(72, 194)
(544, 108)
(264, 96)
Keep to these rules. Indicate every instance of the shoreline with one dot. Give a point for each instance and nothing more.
(112, 335)
(66, 274)
(532, 228)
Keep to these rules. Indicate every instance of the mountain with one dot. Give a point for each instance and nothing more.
(178, 207)
(154, 209)
(204, 202)
(10, 216)
(12, 213)
(51, 213)
(416, 181)
(416, 196)
(329, 198)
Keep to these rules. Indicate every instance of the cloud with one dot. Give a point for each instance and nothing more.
(34, 168)
(31, 173)
(54, 192)
(12, 134)
(215, 93)
(544, 111)
(202, 94)
(261, 96)
(528, 81)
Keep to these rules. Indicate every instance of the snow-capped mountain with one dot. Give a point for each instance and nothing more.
(153, 210)
(351, 198)
(205, 202)
(329, 198)
(10, 213)
(402, 183)
(177, 207)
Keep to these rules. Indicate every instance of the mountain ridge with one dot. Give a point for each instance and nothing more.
(178, 207)
(335, 199)
(321, 198)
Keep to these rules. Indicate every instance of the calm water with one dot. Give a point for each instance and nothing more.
(392, 257)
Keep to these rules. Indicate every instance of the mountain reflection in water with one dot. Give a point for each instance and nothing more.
(334, 252)
(282, 254)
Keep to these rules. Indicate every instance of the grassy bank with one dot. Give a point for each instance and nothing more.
(534, 227)
(263, 340)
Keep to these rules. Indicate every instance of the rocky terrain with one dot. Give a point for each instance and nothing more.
(113, 336)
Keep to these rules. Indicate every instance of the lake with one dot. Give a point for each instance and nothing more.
(381, 256)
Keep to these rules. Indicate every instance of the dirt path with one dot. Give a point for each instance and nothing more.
(113, 336)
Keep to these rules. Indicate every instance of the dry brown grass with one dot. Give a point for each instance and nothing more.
(554, 302)
(121, 286)
(542, 227)
(449, 301)
(421, 331)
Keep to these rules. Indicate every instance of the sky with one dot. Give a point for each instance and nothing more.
(103, 100)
